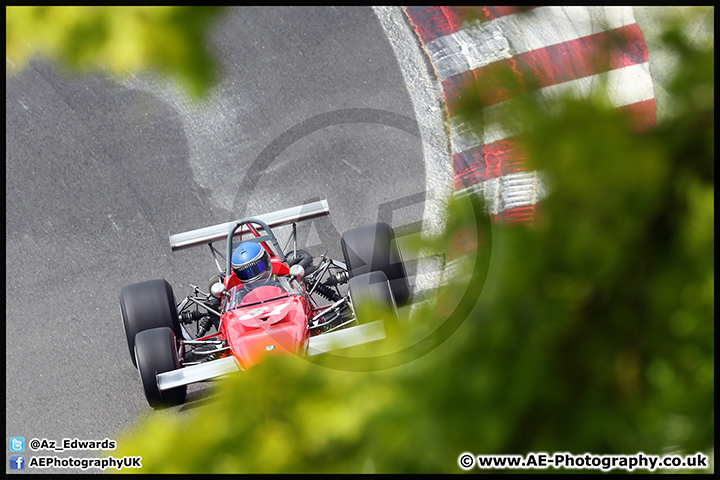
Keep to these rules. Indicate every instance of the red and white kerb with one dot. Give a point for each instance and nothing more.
(559, 49)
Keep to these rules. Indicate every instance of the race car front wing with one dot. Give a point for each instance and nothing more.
(323, 343)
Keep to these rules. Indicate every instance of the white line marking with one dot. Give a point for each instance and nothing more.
(113, 222)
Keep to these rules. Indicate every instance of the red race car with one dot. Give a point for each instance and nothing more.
(264, 301)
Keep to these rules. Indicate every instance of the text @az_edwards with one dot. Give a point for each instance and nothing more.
(71, 444)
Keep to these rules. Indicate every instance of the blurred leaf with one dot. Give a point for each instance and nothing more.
(170, 41)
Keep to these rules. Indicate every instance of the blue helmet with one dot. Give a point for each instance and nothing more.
(250, 261)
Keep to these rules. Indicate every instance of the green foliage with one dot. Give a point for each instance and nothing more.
(594, 332)
(171, 41)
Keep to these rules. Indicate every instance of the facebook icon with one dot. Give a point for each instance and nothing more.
(17, 462)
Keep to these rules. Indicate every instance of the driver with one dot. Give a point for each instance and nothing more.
(251, 262)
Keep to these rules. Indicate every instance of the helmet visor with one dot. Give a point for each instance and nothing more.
(255, 269)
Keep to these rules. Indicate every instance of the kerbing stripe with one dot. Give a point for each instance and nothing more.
(625, 86)
(641, 114)
(480, 163)
(507, 156)
(509, 191)
(507, 36)
(548, 66)
(553, 51)
(524, 214)
(432, 23)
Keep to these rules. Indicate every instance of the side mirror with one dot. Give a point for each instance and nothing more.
(297, 271)
(217, 290)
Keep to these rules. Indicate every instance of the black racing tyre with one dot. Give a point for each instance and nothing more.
(147, 305)
(373, 289)
(372, 248)
(156, 352)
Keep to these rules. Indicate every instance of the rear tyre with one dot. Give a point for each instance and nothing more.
(156, 352)
(373, 290)
(373, 248)
(147, 305)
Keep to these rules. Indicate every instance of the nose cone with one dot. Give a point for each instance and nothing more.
(275, 328)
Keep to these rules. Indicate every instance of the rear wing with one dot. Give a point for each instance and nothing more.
(203, 236)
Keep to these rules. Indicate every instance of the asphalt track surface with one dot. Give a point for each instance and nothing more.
(311, 105)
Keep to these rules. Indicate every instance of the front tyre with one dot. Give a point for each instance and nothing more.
(372, 299)
(156, 352)
(147, 305)
(373, 248)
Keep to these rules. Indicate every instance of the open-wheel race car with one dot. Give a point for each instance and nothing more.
(264, 301)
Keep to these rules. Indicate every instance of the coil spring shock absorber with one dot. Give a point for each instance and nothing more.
(338, 279)
(326, 292)
(188, 317)
(203, 326)
(333, 280)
